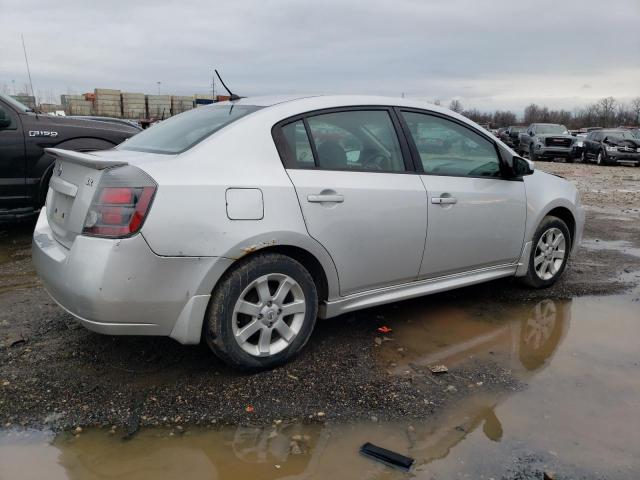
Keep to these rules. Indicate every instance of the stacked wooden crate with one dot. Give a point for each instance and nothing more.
(107, 103)
(180, 104)
(133, 105)
(159, 106)
(76, 105)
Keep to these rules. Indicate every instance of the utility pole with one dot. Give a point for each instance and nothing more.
(159, 83)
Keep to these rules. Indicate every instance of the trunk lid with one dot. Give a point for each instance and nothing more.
(74, 181)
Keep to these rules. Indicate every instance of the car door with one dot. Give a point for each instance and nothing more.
(358, 194)
(594, 143)
(476, 216)
(588, 140)
(12, 160)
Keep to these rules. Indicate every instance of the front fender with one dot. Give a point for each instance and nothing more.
(546, 192)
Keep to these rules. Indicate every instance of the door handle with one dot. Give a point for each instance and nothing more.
(444, 200)
(321, 198)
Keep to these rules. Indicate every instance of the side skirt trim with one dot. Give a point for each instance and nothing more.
(411, 290)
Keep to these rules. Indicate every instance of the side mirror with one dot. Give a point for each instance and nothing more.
(4, 120)
(522, 167)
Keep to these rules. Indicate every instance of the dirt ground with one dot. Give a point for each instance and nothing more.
(55, 374)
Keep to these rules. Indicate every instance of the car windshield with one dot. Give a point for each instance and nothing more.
(551, 129)
(517, 129)
(180, 133)
(626, 134)
(14, 103)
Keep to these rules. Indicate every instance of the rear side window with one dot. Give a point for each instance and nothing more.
(447, 148)
(180, 133)
(359, 140)
(298, 144)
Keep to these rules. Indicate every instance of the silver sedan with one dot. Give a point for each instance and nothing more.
(242, 222)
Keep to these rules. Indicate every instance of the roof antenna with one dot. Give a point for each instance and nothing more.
(232, 96)
(24, 49)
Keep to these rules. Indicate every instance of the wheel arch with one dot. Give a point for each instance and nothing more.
(564, 214)
(302, 248)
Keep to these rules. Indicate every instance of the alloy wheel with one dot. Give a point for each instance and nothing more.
(550, 253)
(540, 324)
(269, 314)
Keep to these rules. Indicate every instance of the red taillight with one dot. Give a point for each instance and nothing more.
(119, 212)
(117, 195)
(121, 203)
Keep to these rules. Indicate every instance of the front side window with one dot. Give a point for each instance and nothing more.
(180, 133)
(356, 140)
(448, 148)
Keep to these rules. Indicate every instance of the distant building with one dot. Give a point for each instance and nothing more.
(25, 99)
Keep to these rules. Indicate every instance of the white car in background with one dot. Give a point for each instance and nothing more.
(241, 222)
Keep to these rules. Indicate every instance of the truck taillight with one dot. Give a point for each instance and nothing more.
(120, 204)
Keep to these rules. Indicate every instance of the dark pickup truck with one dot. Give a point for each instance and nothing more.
(547, 141)
(25, 169)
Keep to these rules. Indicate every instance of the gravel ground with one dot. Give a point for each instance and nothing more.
(54, 373)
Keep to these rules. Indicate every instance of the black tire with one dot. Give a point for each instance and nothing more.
(601, 158)
(532, 279)
(218, 326)
(570, 159)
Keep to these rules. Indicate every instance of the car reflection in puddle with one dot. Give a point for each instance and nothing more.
(577, 412)
(520, 337)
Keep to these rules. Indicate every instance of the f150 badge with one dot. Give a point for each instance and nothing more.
(42, 133)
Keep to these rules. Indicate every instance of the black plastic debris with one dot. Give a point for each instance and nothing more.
(385, 456)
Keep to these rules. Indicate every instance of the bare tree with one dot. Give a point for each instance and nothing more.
(503, 118)
(635, 108)
(606, 109)
(456, 106)
(532, 113)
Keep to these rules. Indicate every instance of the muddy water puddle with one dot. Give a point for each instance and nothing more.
(611, 245)
(16, 271)
(575, 411)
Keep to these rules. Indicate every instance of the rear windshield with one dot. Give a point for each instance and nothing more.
(180, 133)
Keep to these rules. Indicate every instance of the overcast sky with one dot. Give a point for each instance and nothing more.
(487, 54)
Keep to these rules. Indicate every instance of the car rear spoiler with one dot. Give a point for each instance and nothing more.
(86, 159)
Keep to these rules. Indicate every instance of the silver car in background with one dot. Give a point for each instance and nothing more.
(242, 222)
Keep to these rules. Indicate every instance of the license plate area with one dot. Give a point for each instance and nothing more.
(61, 208)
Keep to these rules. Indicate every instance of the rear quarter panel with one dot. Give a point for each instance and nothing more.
(189, 213)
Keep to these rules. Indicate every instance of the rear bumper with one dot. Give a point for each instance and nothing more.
(120, 287)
